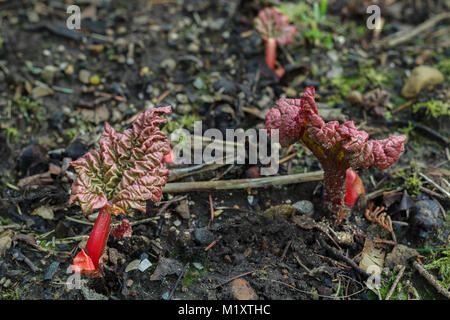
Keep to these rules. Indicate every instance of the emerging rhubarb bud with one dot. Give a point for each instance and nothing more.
(274, 28)
(353, 187)
(126, 171)
(337, 147)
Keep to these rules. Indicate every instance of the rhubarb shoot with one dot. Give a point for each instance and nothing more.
(127, 170)
(337, 147)
(275, 29)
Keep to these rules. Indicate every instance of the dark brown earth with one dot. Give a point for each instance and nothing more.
(214, 41)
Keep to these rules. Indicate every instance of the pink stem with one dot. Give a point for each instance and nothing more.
(99, 236)
(271, 52)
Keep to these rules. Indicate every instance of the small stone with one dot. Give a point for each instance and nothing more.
(133, 265)
(182, 98)
(169, 63)
(354, 97)
(41, 91)
(177, 223)
(84, 76)
(129, 283)
(425, 216)
(144, 71)
(93, 217)
(304, 207)
(33, 17)
(48, 74)
(227, 259)
(144, 265)
(193, 47)
(94, 79)
(203, 236)
(183, 210)
(225, 85)
(45, 212)
(96, 48)
(420, 78)
(184, 108)
(242, 290)
(69, 70)
(197, 265)
(198, 83)
(47, 53)
(51, 270)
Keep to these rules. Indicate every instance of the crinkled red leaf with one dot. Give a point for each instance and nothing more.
(272, 24)
(127, 170)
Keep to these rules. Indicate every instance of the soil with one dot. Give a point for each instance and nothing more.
(206, 60)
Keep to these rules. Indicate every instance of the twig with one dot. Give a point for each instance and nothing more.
(212, 244)
(424, 273)
(243, 183)
(185, 269)
(301, 263)
(394, 285)
(237, 277)
(445, 192)
(339, 255)
(406, 35)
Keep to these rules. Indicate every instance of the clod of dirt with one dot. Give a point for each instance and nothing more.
(183, 210)
(400, 256)
(203, 236)
(5, 241)
(421, 77)
(425, 216)
(304, 207)
(242, 290)
(283, 211)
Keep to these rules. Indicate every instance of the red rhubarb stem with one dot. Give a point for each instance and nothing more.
(271, 52)
(334, 189)
(99, 236)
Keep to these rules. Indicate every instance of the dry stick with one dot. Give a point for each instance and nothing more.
(242, 183)
(185, 269)
(424, 273)
(339, 255)
(237, 277)
(445, 192)
(301, 263)
(394, 285)
(406, 35)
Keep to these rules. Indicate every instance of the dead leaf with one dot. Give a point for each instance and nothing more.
(371, 256)
(166, 266)
(45, 212)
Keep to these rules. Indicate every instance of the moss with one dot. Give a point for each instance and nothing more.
(433, 108)
(31, 110)
(11, 135)
(192, 275)
(442, 265)
(412, 181)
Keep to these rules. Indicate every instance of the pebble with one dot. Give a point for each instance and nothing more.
(177, 223)
(144, 265)
(197, 265)
(184, 108)
(242, 290)
(304, 207)
(420, 78)
(203, 236)
(41, 91)
(182, 98)
(198, 83)
(48, 74)
(226, 85)
(169, 63)
(51, 270)
(183, 210)
(84, 76)
(425, 215)
(133, 265)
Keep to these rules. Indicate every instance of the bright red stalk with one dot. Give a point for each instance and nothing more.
(99, 236)
(271, 52)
